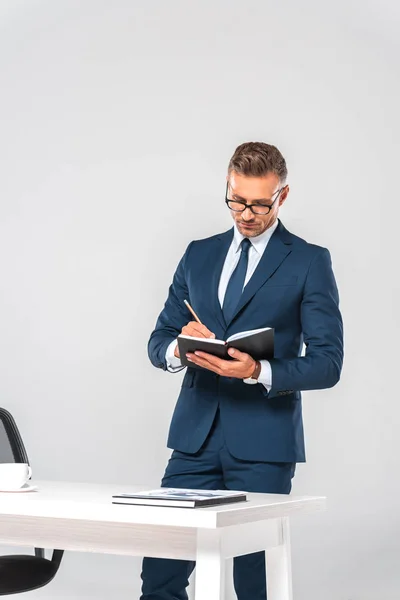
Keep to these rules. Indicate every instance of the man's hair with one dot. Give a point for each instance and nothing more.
(256, 159)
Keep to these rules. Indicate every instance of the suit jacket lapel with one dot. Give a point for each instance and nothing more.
(278, 248)
(224, 240)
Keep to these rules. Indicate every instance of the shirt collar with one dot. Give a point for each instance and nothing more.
(258, 242)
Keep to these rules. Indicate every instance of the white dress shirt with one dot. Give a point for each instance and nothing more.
(256, 250)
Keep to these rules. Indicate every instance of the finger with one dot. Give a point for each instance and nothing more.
(213, 360)
(237, 355)
(193, 332)
(203, 330)
(202, 362)
(226, 368)
(195, 329)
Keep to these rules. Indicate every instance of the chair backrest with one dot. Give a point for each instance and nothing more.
(12, 448)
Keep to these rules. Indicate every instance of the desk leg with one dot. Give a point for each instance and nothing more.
(210, 566)
(279, 567)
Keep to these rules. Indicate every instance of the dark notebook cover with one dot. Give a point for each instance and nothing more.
(259, 344)
(181, 497)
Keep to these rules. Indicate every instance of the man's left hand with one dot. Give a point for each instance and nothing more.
(241, 367)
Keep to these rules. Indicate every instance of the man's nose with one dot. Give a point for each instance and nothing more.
(247, 215)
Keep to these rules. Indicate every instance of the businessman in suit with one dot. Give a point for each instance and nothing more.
(237, 423)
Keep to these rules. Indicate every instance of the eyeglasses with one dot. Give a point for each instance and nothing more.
(256, 209)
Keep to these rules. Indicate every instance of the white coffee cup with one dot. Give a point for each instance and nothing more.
(14, 475)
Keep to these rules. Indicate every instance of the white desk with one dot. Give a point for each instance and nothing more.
(81, 517)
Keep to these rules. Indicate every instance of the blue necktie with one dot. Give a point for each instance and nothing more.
(236, 282)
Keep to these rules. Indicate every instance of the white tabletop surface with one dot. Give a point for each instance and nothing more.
(93, 502)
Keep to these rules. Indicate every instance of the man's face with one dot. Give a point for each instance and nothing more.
(260, 191)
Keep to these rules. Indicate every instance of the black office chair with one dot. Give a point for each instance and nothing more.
(20, 572)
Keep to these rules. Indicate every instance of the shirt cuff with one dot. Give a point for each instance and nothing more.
(173, 362)
(265, 376)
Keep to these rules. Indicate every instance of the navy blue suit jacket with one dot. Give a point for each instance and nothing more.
(293, 289)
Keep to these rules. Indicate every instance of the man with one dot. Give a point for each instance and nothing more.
(225, 432)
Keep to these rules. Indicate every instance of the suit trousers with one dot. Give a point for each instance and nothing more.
(214, 467)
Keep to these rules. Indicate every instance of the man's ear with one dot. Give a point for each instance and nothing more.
(284, 195)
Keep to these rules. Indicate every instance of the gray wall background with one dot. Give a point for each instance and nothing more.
(117, 123)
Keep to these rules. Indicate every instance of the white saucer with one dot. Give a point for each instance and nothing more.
(24, 488)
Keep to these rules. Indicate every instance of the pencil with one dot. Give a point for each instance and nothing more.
(192, 311)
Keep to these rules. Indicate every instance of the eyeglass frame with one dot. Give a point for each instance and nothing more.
(245, 205)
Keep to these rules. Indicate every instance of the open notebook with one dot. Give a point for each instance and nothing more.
(259, 343)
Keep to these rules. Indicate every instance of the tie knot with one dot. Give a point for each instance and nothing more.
(246, 243)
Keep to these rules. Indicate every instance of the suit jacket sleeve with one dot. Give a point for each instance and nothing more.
(172, 318)
(322, 335)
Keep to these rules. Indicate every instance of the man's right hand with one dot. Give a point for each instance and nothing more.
(194, 329)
